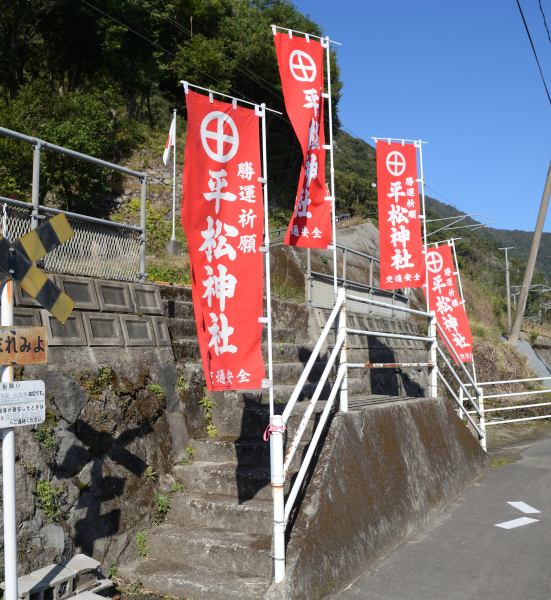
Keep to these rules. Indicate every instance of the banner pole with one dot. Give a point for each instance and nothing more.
(332, 168)
(267, 261)
(422, 181)
(173, 238)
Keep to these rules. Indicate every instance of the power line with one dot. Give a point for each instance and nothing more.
(129, 28)
(545, 22)
(534, 51)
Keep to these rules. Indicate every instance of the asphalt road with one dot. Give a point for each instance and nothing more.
(461, 554)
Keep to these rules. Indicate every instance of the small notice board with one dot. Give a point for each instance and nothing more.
(22, 403)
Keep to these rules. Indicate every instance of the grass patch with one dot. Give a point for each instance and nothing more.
(141, 544)
(49, 499)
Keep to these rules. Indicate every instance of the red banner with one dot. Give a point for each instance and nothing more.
(401, 243)
(223, 216)
(445, 301)
(301, 68)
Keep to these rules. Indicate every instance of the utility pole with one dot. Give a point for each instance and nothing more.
(508, 287)
(523, 297)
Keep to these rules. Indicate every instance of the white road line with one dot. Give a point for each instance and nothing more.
(525, 508)
(516, 523)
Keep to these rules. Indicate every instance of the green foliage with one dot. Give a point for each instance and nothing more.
(113, 572)
(158, 390)
(182, 385)
(95, 384)
(49, 499)
(177, 488)
(212, 432)
(533, 337)
(190, 451)
(150, 473)
(46, 437)
(162, 506)
(141, 544)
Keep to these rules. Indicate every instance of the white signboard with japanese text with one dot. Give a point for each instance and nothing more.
(22, 403)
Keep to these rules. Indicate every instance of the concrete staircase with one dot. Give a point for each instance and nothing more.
(216, 540)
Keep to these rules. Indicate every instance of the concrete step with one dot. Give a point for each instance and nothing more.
(178, 309)
(175, 292)
(184, 581)
(199, 509)
(249, 419)
(246, 452)
(357, 402)
(225, 479)
(233, 552)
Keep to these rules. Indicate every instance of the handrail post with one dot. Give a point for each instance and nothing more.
(371, 273)
(343, 359)
(308, 278)
(482, 419)
(278, 495)
(35, 194)
(143, 224)
(461, 403)
(344, 259)
(433, 357)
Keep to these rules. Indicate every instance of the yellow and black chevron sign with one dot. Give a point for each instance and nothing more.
(16, 261)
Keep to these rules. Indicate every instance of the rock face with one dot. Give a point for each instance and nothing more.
(86, 479)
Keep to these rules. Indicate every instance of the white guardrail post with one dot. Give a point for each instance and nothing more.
(433, 357)
(343, 359)
(461, 403)
(482, 420)
(278, 495)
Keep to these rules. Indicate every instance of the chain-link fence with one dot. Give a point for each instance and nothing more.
(98, 248)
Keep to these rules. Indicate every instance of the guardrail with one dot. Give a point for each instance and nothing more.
(99, 248)
(281, 464)
(514, 394)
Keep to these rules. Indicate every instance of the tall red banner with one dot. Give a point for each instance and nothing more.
(446, 302)
(301, 68)
(222, 216)
(401, 242)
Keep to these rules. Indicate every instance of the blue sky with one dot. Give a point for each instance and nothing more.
(460, 75)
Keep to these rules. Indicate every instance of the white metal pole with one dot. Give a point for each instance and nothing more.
(266, 249)
(8, 468)
(433, 357)
(343, 358)
(332, 165)
(461, 403)
(424, 217)
(278, 495)
(173, 238)
(482, 420)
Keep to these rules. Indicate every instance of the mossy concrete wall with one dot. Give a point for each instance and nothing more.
(380, 474)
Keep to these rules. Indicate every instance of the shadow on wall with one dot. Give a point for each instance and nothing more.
(99, 487)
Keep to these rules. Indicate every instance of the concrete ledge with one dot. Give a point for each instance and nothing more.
(381, 473)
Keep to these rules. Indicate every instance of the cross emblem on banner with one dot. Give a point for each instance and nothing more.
(17, 262)
(304, 67)
(434, 262)
(220, 138)
(395, 163)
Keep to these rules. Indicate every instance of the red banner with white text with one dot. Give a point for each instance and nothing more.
(446, 302)
(300, 63)
(222, 216)
(401, 242)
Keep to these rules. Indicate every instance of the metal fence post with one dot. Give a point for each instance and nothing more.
(35, 195)
(482, 419)
(344, 260)
(461, 403)
(143, 223)
(278, 495)
(308, 278)
(371, 273)
(433, 357)
(343, 359)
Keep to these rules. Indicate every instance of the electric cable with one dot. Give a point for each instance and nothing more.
(534, 50)
(545, 22)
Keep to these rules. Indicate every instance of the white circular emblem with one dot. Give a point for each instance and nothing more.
(434, 262)
(395, 163)
(216, 149)
(302, 65)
